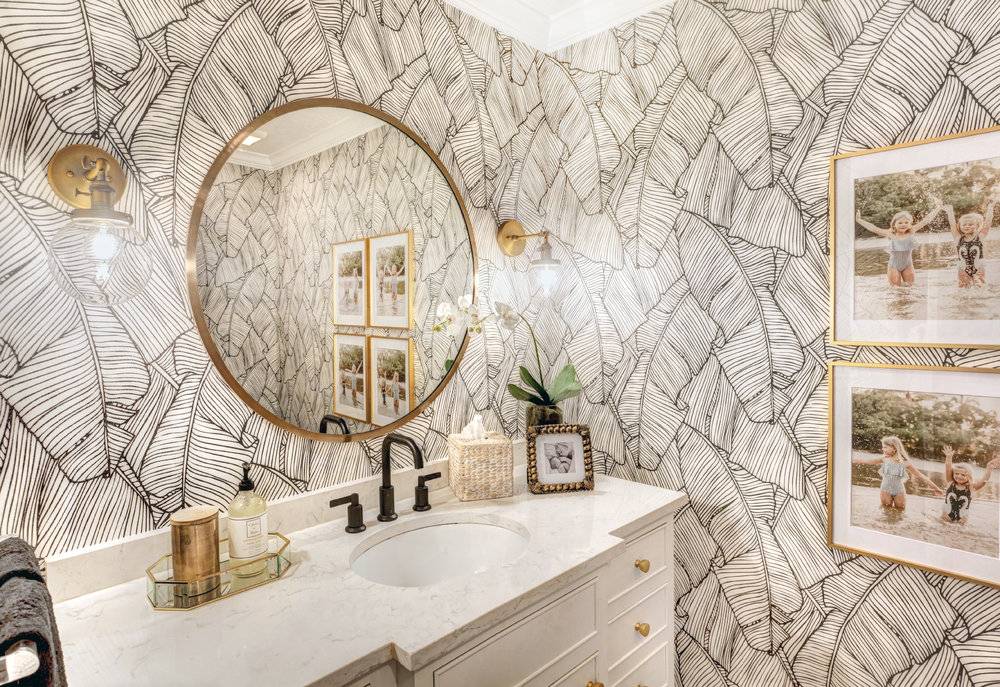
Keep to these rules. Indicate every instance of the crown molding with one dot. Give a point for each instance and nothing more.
(321, 140)
(551, 31)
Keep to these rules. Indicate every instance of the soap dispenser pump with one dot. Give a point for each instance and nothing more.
(247, 528)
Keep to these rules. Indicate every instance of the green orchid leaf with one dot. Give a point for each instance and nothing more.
(447, 364)
(534, 384)
(522, 395)
(565, 385)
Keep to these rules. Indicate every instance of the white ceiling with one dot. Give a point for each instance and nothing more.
(300, 134)
(552, 24)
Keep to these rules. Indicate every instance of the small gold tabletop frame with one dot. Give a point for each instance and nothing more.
(167, 594)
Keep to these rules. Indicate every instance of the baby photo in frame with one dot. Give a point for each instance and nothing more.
(559, 458)
(390, 270)
(392, 380)
(915, 257)
(350, 367)
(350, 265)
(914, 466)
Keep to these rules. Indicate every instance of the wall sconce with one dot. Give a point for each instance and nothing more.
(543, 270)
(92, 259)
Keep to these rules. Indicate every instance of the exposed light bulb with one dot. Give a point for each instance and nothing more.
(545, 270)
(92, 258)
(104, 246)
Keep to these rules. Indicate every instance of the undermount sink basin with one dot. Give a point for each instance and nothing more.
(425, 552)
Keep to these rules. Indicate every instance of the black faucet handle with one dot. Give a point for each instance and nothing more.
(422, 480)
(421, 495)
(355, 513)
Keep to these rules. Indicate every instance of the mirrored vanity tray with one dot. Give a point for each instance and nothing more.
(167, 594)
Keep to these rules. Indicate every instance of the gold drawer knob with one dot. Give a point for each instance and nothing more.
(642, 564)
(642, 628)
(591, 683)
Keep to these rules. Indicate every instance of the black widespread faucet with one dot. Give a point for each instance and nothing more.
(386, 493)
(339, 421)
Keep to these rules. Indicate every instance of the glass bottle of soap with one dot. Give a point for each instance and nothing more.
(247, 528)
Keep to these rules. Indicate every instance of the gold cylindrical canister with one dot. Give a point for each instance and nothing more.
(194, 543)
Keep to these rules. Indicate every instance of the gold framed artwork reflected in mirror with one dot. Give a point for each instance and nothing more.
(392, 378)
(379, 228)
(351, 283)
(352, 377)
(390, 295)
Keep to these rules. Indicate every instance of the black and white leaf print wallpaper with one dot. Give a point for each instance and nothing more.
(265, 265)
(679, 160)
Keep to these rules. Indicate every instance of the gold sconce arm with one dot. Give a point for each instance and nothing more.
(74, 169)
(513, 238)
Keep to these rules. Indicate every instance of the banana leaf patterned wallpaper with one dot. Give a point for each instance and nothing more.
(265, 265)
(680, 161)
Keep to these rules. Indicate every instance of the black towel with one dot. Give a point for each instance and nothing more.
(26, 613)
(17, 559)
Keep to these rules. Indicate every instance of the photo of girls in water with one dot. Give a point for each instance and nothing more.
(925, 245)
(349, 303)
(916, 248)
(390, 257)
(927, 466)
(393, 383)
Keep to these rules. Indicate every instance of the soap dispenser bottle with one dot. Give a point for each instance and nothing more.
(247, 528)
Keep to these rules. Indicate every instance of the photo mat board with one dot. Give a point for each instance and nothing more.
(926, 510)
(351, 284)
(927, 287)
(392, 386)
(390, 274)
(351, 375)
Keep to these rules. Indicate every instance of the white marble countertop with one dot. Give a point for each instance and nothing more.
(324, 624)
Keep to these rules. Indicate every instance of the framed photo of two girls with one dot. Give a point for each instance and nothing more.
(915, 255)
(914, 451)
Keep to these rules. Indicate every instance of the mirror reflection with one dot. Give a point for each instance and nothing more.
(325, 243)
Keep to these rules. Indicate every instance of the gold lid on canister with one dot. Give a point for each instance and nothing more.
(193, 515)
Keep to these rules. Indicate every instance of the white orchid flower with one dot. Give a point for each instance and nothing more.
(507, 315)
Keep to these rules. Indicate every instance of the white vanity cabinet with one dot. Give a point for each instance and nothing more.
(613, 627)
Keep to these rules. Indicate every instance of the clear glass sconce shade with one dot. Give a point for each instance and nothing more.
(92, 261)
(545, 271)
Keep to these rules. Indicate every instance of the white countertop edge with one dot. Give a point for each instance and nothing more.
(410, 650)
(462, 635)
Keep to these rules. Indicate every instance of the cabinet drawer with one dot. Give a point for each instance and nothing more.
(579, 676)
(627, 583)
(652, 672)
(530, 647)
(380, 677)
(624, 638)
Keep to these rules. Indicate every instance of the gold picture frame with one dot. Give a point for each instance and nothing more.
(365, 285)
(359, 341)
(375, 289)
(543, 480)
(838, 531)
(376, 389)
(835, 338)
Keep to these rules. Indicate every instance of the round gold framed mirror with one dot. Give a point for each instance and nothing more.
(324, 243)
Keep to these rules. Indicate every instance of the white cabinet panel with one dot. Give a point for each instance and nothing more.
(521, 653)
(580, 675)
(623, 636)
(654, 671)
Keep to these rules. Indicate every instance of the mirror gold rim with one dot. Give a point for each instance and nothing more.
(191, 267)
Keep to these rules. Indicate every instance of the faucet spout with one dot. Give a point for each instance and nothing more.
(386, 493)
